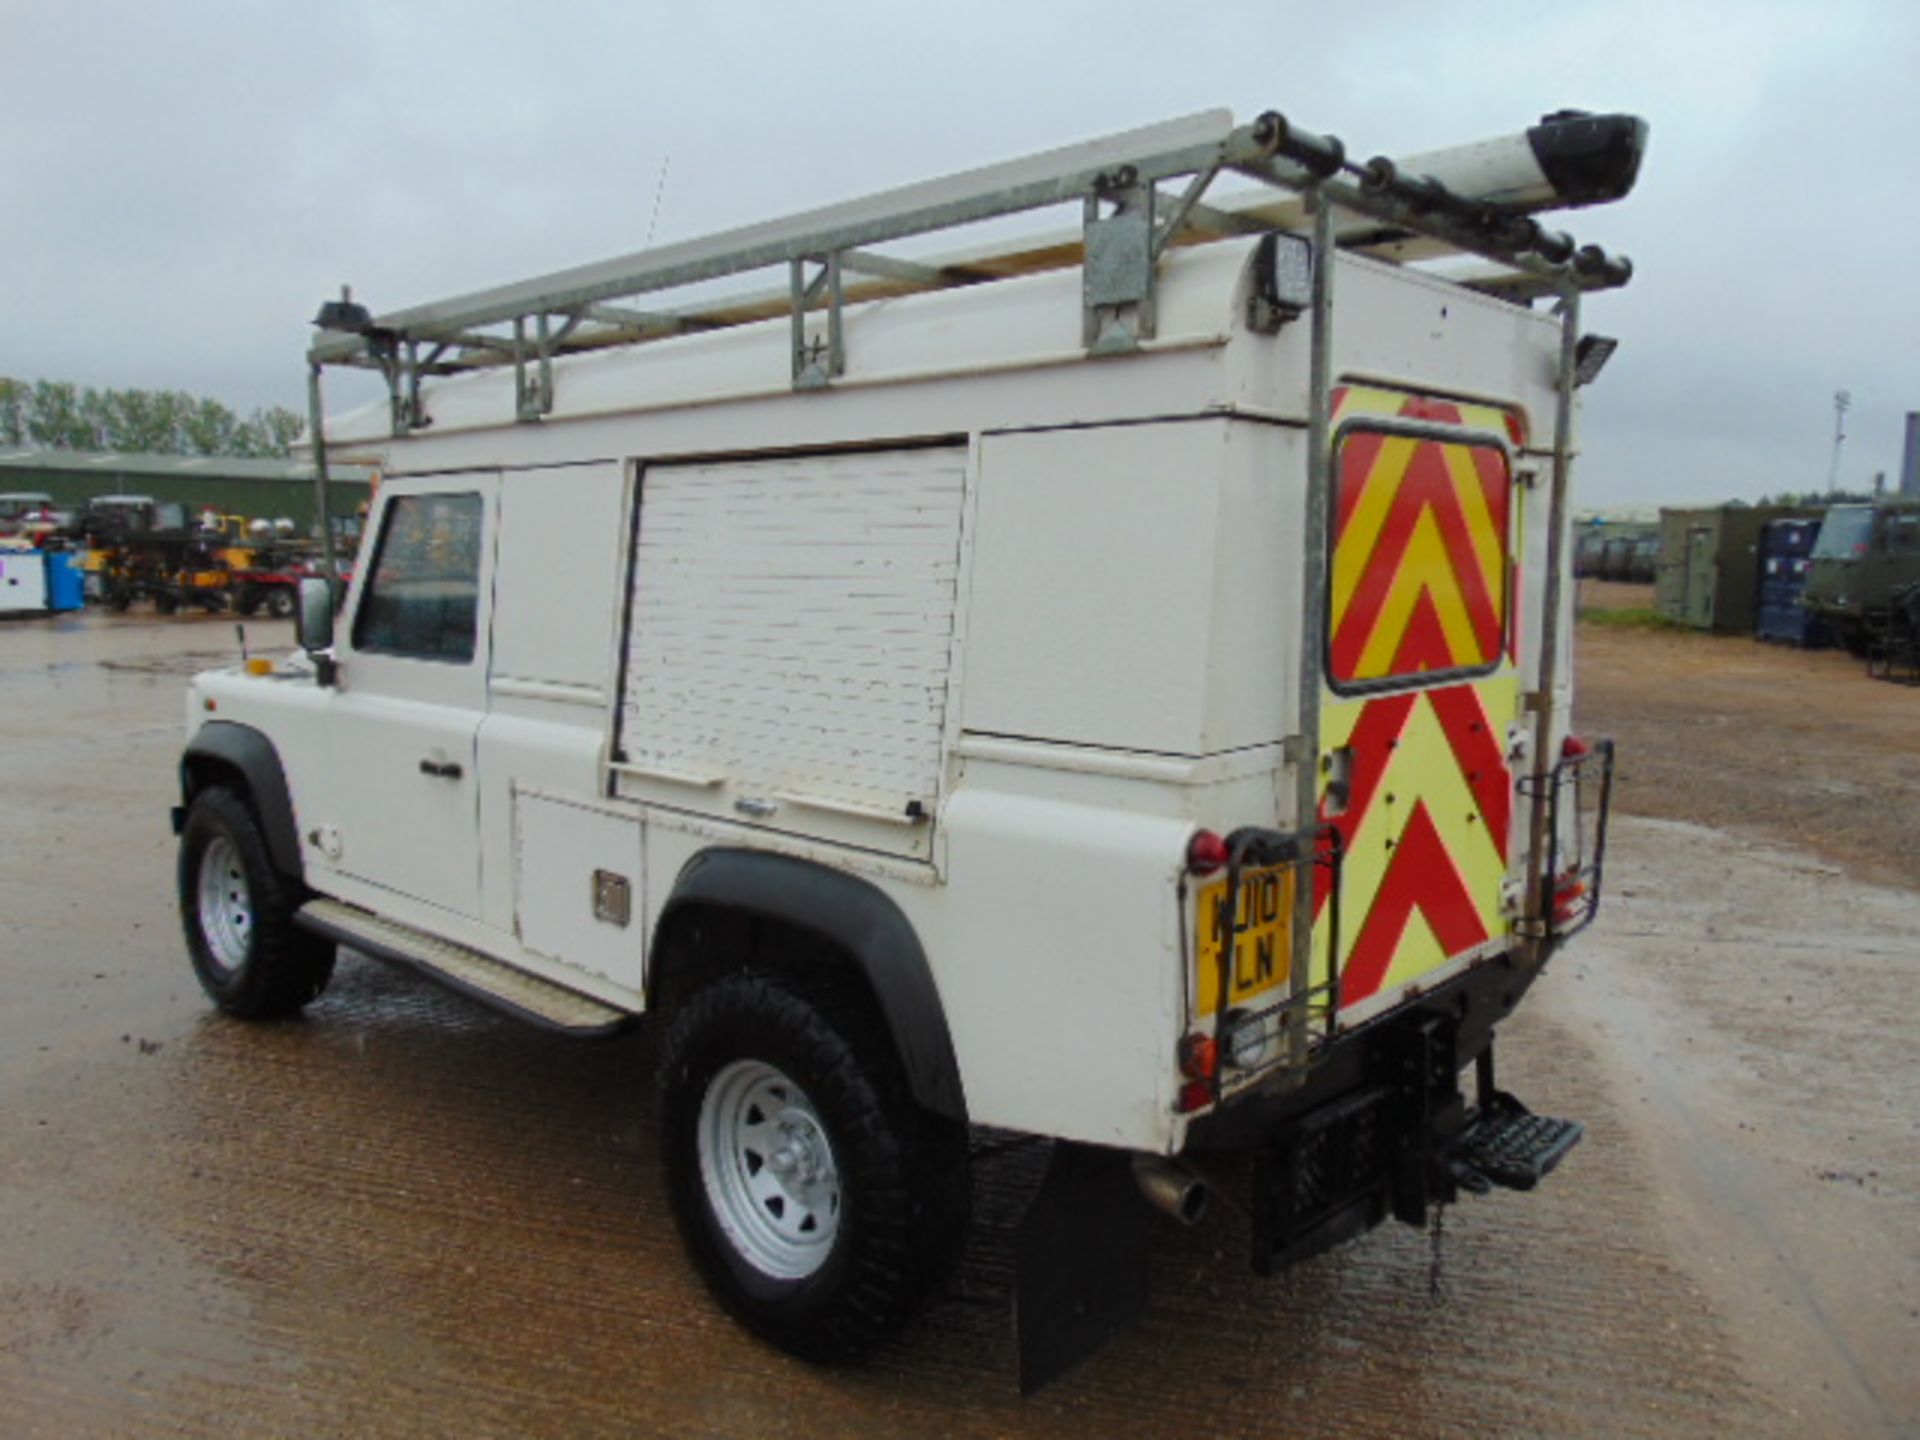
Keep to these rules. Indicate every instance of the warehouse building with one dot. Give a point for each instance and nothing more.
(258, 489)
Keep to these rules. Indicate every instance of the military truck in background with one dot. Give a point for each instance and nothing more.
(1864, 554)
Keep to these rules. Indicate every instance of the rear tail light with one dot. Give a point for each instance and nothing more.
(1206, 852)
(1195, 1095)
(1569, 897)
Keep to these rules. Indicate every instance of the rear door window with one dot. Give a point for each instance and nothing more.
(1420, 557)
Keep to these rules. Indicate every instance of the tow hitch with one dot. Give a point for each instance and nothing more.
(1398, 1145)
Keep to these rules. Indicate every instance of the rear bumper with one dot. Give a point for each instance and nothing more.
(1377, 1128)
(1469, 1006)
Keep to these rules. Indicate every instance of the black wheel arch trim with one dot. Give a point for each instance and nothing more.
(245, 749)
(855, 916)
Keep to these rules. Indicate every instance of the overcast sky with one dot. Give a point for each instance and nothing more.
(184, 182)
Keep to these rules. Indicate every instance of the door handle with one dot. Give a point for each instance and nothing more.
(448, 770)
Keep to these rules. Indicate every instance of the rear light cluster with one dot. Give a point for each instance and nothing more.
(1569, 897)
(1199, 1057)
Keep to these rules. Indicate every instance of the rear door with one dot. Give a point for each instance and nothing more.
(1419, 691)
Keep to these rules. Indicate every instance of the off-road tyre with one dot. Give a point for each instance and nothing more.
(280, 603)
(255, 963)
(902, 1173)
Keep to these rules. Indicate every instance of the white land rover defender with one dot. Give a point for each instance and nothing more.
(1111, 687)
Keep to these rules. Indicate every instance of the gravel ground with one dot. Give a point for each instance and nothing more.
(1796, 745)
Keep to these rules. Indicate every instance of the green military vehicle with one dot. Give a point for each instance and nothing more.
(1863, 555)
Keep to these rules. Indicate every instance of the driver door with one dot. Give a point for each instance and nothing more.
(402, 809)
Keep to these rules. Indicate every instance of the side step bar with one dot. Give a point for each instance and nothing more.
(469, 972)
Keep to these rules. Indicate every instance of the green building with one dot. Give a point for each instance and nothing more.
(258, 489)
(1709, 571)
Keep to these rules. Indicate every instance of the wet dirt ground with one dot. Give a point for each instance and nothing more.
(403, 1215)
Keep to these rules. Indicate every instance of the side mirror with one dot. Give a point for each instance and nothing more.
(313, 620)
(313, 623)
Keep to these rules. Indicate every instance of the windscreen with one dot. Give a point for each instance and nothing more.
(1845, 533)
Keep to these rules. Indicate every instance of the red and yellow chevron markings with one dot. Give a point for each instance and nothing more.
(1423, 566)
(1425, 834)
(1419, 574)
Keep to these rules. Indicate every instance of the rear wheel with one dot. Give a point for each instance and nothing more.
(819, 1204)
(280, 602)
(237, 911)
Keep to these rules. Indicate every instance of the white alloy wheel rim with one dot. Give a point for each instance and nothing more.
(769, 1170)
(226, 904)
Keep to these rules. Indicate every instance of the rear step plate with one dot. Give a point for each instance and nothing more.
(1510, 1146)
(492, 982)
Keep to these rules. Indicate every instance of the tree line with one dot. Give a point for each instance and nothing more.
(59, 415)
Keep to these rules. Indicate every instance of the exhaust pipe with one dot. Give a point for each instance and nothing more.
(1171, 1189)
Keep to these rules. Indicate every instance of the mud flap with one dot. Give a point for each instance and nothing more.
(1081, 1262)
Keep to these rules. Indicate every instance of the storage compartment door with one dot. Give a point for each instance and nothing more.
(789, 638)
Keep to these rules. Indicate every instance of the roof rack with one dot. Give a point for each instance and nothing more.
(1470, 201)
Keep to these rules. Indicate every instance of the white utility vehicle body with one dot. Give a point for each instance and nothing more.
(1112, 688)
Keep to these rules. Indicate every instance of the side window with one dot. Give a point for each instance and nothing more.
(423, 590)
(1903, 534)
(1419, 566)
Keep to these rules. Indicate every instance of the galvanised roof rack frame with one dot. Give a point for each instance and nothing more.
(1129, 222)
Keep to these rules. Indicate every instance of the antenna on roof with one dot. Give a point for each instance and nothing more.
(659, 192)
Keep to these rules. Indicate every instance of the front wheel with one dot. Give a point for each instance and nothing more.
(238, 911)
(820, 1206)
(280, 602)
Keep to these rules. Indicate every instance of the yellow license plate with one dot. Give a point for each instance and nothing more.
(1260, 955)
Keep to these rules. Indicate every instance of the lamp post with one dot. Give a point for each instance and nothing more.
(1841, 401)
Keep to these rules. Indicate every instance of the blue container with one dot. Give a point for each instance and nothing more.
(66, 586)
(1784, 548)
